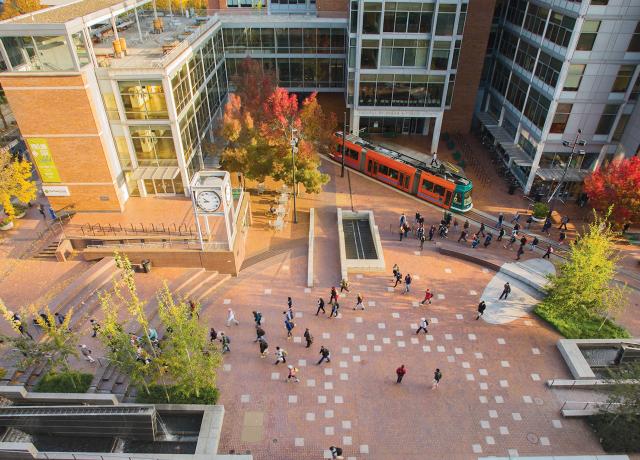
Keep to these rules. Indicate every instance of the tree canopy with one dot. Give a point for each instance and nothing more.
(15, 182)
(14, 8)
(618, 183)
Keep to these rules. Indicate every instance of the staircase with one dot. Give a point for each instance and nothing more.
(195, 284)
(48, 252)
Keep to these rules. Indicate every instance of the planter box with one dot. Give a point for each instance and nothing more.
(537, 219)
(7, 226)
(20, 215)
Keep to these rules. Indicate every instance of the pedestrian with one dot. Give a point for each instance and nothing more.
(563, 223)
(325, 355)
(516, 226)
(463, 236)
(193, 309)
(289, 325)
(423, 326)
(505, 291)
(403, 220)
(407, 283)
(512, 240)
(500, 234)
(534, 243)
(437, 376)
(257, 317)
(516, 217)
(396, 269)
(401, 230)
(523, 241)
(519, 252)
(320, 307)
(60, 317)
(359, 303)
(289, 303)
(213, 335)
(334, 295)
(481, 308)
(95, 327)
(482, 228)
(500, 220)
(398, 279)
(465, 227)
(344, 285)
(432, 230)
(259, 333)
(529, 221)
(434, 160)
(487, 240)
(547, 255)
(225, 340)
(336, 453)
(288, 315)
(407, 229)
(87, 353)
(563, 236)
(547, 225)
(22, 328)
(231, 318)
(293, 374)
(417, 217)
(475, 242)
(41, 211)
(422, 239)
(264, 347)
(400, 372)
(420, 232)
(455, 225)
(281, 355)
(308, 337)
(427, 297)
(335, 306)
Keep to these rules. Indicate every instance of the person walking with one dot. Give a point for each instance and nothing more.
(288, 315)
(86, 353)
(344, 285)
(563, 223)
(401, 231)
(417, 220)
(534, 243)
(320, 307)
(476, 241)
(481, 308)
(434, 160)
(213, 335)
(523, 241)
(257, 317)
(334, 295)
(529, 221)
(487, 240)
(403, 219)
(308, 337)
(437, 376)
(293, 374)
(512, 240)
(60, 317)
(259, 333)
(482, 229)
(500, 220)
(463, 236)
(264, 347)
(563, 236)
(336, 453)
(422, 239)
(359, 303)
(325, 355)
(520, 252)
(41, 211)
(407, 283)
(289, 325)
(547, 254)
(516, 217)
(396, 269)
(500, 234)
(231, 318)
(427, 297)
(225, 340)
(398, 279)
(455, 225)
(423, 326)
(335, 306)
(506, 290)
(432, 231)
(547, 225)
(281, 356)
(289, 303)
(400, 372)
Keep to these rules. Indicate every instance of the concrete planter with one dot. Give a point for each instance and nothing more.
(6, 226)
(20, 215)
(536, 219)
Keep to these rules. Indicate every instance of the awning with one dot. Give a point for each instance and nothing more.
(486, 119)
(155, 172)
(519, 156)
(555, 174)
(502, 137)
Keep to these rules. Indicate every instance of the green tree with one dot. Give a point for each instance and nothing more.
(190, 358)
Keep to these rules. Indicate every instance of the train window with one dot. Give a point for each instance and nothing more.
(338, 148)
(370, 166)
(392, 173)
(439, 189)
(457, 198)
(428, 186)
(352, 154)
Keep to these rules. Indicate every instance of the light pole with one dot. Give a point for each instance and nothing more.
(294, 148)
(344, 133)
(577, 142)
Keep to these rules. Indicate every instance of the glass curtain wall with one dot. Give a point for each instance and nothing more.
(38, 53)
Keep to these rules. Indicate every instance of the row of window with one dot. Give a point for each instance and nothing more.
(299, 72)
(285, 40)
(534, 18)
(526, 55)
(409, 18)
(407, 53)
(402, 90)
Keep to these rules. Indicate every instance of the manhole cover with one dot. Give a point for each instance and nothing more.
(532, 438)
(538, 401)
(275, 441)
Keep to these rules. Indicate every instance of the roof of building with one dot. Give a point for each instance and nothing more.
(66, 12)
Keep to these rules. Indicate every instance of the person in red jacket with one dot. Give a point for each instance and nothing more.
(427, 297)
(400, 372)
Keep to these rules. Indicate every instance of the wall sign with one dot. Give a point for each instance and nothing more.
(43, 159)
(56, 190)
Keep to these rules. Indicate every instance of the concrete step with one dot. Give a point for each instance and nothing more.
(203, 280)
(209, 288)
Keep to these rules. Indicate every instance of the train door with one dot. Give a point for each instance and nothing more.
(447, 198)
(403, 181)
(363, 160)
(372, 167)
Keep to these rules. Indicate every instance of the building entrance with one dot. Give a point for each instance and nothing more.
(393, 125)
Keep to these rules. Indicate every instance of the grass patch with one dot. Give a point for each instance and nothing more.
(156, 395)
(583, 327)
(617, 434)
(64, 382)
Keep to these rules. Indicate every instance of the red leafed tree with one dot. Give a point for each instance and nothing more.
(254, 86)
(617, 184)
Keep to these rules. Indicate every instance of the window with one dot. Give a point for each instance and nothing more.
(371, 18)
(456, 54)
(574, 77)
(153, 145)
(143, 100)
(537, 108)
(548, 69)
(634, 44)
(560, 119)
(452, 82)
(369, 56)
(404, 53)
(38, 53)
(440, 55)
(392, 173)
(500, 78)
(517, 92)
(623, 79)
(181, 88)
(508, 45)
(353, 25)
(635, 91)
(600, 2)
(536, 19)
(408, 17)
(560, 29)
(526, 56)
(588, 35)
(515, 11)
(427, 185)
(620, 127)
(446, 19)
(401, 90)
(81, 48)
(462, 18)
(607, 118)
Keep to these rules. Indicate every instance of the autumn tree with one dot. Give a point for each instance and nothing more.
(14, 8)
(15, 182)
(617, 183)
(254, 86)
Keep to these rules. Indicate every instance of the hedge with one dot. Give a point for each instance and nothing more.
(582, 327)
(617, 433)
(64, 382)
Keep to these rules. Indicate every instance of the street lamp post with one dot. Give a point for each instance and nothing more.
(577, 142)
(294, 148)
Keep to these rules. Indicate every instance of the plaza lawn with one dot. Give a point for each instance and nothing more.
(64, 382)
(584, 327)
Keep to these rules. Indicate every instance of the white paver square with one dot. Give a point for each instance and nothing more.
(416, 277)
(226, 367)
(359, 276)
(344, 376)
(298, 314)
(415, 341)
(347, 441)
(356, 358)
(504, 383)
(413, 326)
(499, 399)
(485, 270)
(426, 348)
(535, 351)
(447, 270)
(267, 291)
(466, 365)
(544, 441)
(416, 253)
(226, 301)
(458, 351)
(371, 303)
(302, 362)
(343, 364)
(350, 336)
(311, 382)
(478, 355)
(483, 399)
(275, 376)
(493, 414)
(395, 315)
(329, 431)
(245, 398)
(504, 363)
(328, 385)
(484, 386)
(440, 296)
(451, 359)
(556, 423)
(390, 289)
(527, 399)
(459, 316)
(326, 454)
(485, 424)
(483, 372)
(471, 336)
(322, 399)
(472, 292)
(297, 339)
(328, 371)
(489, 440)
(448, 337)
(338, 399)
(415, 304)
(399, 333)
(377, 348)
(501, 341)
(401, 343)
(477, 448)
(535, 377)
(364, 449)
(381, 325)
(346, 424)
(513, 452)
(528, 323)
(516, 416)
(299, 442)
(362, 348)
(326, 335)
(310, 416)
(371, 337)
(307, 290)
(386, 340)
(470, 377)
(345, 350)
(440, 349)
(504, 430)
(328, 413)
(429, 338)
(359, 319)
(293, 399)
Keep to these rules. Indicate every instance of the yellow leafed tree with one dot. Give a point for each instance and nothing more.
(17, 7)
(15, 182)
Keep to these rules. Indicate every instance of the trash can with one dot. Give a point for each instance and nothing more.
(146, 265)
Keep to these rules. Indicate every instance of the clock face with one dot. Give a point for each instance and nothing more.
(208, 201)
(227, 193)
